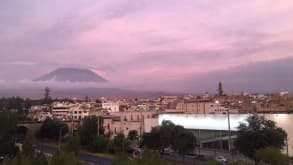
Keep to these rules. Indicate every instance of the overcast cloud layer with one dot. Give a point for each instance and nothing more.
(149, 43)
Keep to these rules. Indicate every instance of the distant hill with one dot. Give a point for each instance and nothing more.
(259, 77)
(82, 92)
(72, 75)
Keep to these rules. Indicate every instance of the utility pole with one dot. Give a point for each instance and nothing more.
(287, 147)
(72, 124)
(60, 134)
(229, 133)
(198, 135)
(140, 130)
(221, 142)
(98, 127)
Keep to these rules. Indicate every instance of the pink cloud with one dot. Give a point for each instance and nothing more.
(110, 36)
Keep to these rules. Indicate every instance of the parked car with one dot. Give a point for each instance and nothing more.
(221, 159)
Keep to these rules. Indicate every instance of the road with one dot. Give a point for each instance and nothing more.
(187, 159)
(97, 160)
(85, 157)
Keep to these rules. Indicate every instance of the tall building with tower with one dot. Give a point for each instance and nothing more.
(220, 89)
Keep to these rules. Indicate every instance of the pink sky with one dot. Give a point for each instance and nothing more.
(142, 40)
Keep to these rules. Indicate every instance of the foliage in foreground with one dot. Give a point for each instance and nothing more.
(271, 155)
(147, 158)
(67, 154)
(72, 145)
(89, 130)
(259, 133)
(51, 129)
(170, 135)
(7, 134)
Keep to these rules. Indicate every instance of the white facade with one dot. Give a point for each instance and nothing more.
(79, 113)
(35, 108)
(111, 106)
(68, 111)
(123, 122)
(201, 108)
(168, 99)
(134, 115)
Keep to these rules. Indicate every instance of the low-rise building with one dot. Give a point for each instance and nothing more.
(123, 122)
(201, 107)
(111, 106)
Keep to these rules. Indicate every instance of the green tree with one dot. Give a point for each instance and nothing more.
(61, 157)
(51, 129)
(100, 144)
(21, 160)
(147, 158)
(72, 145)
(132, 135)
(27, 147)
(89, 130)
(152, 140)
(259, 133)
(122, 159)
(120, 143)
(183, 141)
(40, 159)
(166, 132)
(7, 134)
(271, 155)
(169, 135)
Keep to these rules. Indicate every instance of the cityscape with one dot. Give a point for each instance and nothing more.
(146, 82)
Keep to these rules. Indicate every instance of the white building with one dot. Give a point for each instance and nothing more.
(124, 122)
(201, 108)
(78, 112)
(168, 99)
(111, 106)
(68, 111)
(60, 110)
(36, 108)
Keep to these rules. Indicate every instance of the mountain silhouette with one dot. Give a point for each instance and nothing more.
(72, 75)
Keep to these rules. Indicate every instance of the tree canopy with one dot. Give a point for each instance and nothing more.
(132, 135)
(271, 155)
(72, 145)
(51, 129)
(147, 158)
(169, 135)
(7, 134)
(89, 129)
(120, 143)
(259, 133)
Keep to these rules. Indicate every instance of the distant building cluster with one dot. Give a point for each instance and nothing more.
(124, 115)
